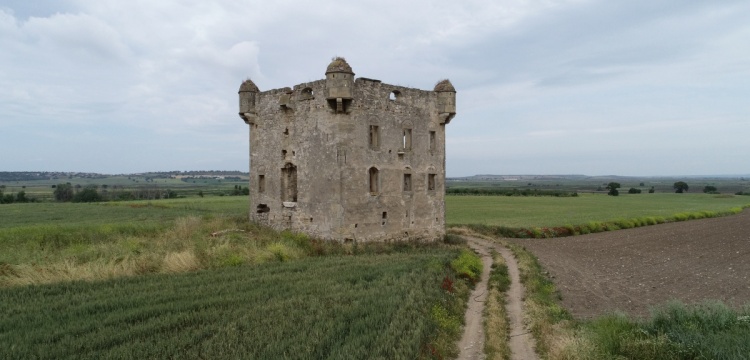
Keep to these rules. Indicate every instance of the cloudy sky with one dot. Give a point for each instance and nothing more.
(595, 87)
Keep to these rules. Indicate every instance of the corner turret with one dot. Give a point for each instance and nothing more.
(248, 92)
(339, 84)
(446, 94)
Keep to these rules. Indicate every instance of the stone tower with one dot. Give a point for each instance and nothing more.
(347, 159)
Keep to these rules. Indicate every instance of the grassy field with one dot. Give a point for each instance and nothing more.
(42, 190)
(151, 213)
(160, 285)
(192, 278)
(526, 212)
(350, 307)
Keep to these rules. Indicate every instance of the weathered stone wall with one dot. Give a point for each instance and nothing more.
(349, 160)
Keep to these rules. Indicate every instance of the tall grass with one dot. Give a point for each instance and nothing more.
(336, 307)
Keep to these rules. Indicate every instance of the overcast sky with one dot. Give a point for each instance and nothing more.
(636, 87)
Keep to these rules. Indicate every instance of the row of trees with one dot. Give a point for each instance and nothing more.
(19, 197)
(679, 187)
(90, 193)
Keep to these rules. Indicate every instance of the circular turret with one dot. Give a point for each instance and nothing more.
(339, 65)
(248, 86)
(444, 86)
(248, 92)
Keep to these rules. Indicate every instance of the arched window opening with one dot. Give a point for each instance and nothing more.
(374, 180)
(374, 137)
(289, 183)
(407, 139)
(407, 182)
(394, 95)
(431, 181)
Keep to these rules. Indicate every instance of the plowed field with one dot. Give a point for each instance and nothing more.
(632, 270)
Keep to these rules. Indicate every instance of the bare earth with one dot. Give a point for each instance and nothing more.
(471, 344)
(631, 270)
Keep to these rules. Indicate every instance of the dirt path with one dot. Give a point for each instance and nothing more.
(471, 344)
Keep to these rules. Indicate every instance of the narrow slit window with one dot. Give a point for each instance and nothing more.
(261, 183)
(407, 139)
(374, 137)
(407, 182)
(430, 181)
(432, 140)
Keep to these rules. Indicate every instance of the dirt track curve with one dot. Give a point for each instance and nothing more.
(632, 270)
(471, 344)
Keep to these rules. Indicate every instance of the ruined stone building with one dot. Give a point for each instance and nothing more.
(349, 159)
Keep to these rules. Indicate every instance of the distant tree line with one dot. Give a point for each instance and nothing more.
(508, 192)
(19, 197)
(92, 193)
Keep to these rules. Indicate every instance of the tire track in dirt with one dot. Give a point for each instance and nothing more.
(522, 342)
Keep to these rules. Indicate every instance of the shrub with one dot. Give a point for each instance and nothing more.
(88, 194)
(467, 265)
(596, 227)
(634, 191)
(708, 189)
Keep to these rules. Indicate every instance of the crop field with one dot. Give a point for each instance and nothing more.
(42, 190)
(145, 212)
(337, 307)
(548, 211)
(191, 278)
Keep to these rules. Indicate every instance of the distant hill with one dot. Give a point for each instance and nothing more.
(52, 175)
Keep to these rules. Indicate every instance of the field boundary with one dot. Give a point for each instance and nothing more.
(593, 226)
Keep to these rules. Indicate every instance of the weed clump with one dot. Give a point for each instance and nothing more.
(467, 265)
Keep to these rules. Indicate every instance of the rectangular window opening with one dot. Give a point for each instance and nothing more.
(407, 182)
(432, 140)
(374, 137)
(289, 183)
(261, 183)
(430, 181)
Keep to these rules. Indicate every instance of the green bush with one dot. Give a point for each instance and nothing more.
(467, 265)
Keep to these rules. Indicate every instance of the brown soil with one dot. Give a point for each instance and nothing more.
(635, 269)
(471, 344)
